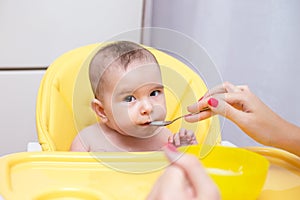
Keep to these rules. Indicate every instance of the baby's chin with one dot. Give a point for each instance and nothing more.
(155, 131)
(146, 132)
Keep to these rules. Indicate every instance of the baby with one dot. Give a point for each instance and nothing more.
(129, 94)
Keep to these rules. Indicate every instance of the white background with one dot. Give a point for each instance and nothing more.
(253, 42)
(33, 33)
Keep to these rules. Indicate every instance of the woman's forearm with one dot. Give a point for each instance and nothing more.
(288, 137)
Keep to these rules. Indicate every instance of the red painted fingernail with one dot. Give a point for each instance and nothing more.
(171, 147)
(200, 99)
(213, 102)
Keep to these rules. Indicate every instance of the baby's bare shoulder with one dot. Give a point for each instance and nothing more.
(92, 129)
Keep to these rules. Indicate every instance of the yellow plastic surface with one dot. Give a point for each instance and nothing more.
(239, 174)
(283, 179)
(64, 98)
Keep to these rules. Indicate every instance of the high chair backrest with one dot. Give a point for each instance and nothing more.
(64, 98)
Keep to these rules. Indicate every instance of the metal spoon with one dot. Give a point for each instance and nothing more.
(165, 123)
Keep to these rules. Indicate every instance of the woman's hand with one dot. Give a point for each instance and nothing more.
(185, 178)
(255, 118)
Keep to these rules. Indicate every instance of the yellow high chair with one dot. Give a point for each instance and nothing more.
(63, 109)
(64, 97)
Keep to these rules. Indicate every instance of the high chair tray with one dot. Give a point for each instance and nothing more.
(239, 174)
(283, 179)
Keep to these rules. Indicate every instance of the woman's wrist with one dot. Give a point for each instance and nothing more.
(284, 135)
(289, 139)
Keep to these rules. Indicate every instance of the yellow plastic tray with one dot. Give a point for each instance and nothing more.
(239, 174)
(283, 179)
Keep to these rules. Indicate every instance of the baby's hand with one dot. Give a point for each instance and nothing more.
(183, 138)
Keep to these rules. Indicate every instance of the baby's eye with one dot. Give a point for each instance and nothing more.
(129, 99)
(155, 93)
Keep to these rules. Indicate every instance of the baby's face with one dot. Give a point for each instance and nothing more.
(134, 98)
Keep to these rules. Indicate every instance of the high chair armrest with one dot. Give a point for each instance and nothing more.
(33, 146)
(227, 144)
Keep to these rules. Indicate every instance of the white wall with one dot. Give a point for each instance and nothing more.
(18, 97)
(33, 33)
(254, 42)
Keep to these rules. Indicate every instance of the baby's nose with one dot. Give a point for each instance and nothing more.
(146, 107)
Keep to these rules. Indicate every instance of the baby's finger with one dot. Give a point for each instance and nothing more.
(176, 140)
(182, 133)
(190, 137)
(194, 141)
(170, 139)
(190, 134)
(183, 137)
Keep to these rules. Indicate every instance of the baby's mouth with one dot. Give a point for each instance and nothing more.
(147, 123)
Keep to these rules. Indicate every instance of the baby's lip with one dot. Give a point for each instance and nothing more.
(145, 123)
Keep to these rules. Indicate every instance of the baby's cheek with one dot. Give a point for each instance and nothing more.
(122, 115)
(160, 111)
(163, 114)
(132, 115)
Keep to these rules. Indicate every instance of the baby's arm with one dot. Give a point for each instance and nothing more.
(78, 146)
(182, 138)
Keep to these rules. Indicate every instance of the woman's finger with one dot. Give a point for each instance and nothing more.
(201, 183)
(229, 87)
(220, 89)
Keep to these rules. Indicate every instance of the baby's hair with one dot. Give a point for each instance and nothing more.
(121, 53)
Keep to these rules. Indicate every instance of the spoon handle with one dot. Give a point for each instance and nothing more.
(204, 109)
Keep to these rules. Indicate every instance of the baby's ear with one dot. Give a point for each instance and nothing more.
(97, 106)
